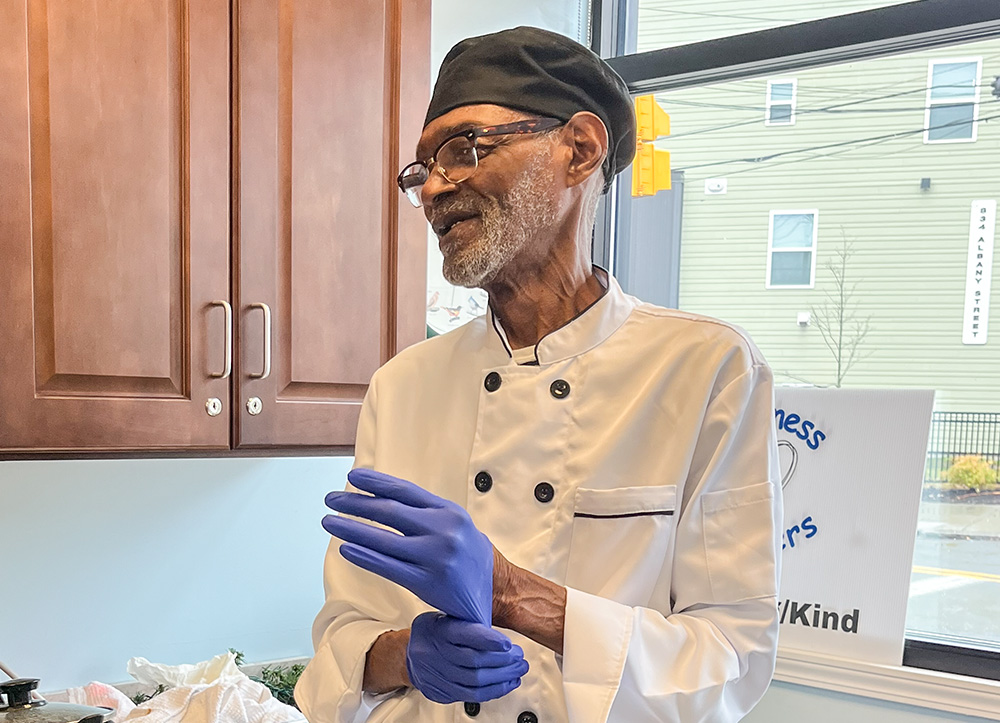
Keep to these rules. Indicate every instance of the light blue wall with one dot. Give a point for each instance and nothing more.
(785, 703)
(173, 560)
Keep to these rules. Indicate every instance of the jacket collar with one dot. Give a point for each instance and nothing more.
(580, 334)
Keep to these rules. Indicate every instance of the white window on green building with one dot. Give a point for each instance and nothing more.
(952, 100)
(791, 249)
(780, 109)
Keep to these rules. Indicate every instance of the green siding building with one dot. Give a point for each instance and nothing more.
(880, 160)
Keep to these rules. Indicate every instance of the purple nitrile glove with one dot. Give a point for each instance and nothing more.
(439, 556)
(451, 660)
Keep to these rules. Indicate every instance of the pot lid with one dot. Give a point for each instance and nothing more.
(20, 708)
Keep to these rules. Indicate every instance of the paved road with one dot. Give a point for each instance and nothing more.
(955, 588)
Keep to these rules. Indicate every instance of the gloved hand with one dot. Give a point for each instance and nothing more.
(440, 556)
(451, 660)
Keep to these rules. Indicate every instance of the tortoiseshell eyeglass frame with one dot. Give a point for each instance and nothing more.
(410, 179)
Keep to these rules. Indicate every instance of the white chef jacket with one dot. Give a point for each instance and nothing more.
(653, 431)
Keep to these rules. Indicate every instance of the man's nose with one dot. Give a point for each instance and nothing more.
(434, 186)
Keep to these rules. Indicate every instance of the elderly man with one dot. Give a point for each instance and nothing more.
(575, 499)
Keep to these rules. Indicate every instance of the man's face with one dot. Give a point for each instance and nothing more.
(486, 221)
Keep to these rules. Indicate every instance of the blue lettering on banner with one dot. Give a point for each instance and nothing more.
(802, 428)
(807, 529)
(807, 431)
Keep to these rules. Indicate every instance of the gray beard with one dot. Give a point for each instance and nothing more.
(508, 225)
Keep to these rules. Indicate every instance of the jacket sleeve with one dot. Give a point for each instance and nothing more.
(711, 656)
(357, 610)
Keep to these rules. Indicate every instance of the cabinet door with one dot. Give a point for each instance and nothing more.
(330, 98)
(114, 222)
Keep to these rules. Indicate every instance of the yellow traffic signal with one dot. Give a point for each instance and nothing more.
(651, 168)
(652, 122)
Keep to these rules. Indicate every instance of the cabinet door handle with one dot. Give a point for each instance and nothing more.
(267, 340)
(229, 340)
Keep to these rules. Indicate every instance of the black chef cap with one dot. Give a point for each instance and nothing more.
(537, 71)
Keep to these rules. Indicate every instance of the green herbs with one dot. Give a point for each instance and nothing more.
(141, 697)
(281, 681)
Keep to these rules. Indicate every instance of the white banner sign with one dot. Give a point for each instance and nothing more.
(852, 464)
(982, 227)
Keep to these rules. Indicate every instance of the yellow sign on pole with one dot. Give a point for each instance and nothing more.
(651, 168)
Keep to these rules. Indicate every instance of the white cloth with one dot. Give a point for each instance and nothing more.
(212, 691)
(664, 525)
(227, 700)
(207, 671)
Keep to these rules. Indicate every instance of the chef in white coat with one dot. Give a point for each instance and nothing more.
(569, 509)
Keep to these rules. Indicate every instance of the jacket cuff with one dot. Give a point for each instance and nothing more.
(330, 689)
(595, 646)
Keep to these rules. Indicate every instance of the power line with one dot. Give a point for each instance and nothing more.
(827, 109)
(729, 86)
(848, 149)
(666, 11)
(871, 140)
(834, 109)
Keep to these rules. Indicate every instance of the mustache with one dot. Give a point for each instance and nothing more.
(467, 204)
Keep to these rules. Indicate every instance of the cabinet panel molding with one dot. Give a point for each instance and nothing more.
(114, 242)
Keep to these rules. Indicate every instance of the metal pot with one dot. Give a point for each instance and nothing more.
(20, 708)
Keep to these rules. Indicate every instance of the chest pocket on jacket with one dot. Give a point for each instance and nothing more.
(622, 541)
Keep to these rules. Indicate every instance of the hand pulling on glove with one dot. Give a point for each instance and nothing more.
(440, 556)
(451, 660)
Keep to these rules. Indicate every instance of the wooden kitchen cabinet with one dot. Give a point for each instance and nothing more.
(332, 99)
(114, 223)
(162, 161)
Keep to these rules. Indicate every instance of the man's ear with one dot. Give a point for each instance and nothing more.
(588, 140)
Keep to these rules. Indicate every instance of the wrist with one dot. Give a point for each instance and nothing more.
(503, 595)
(528, 604)
(385, 663)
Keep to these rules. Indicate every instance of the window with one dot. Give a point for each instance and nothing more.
(780, 103)
(791, 250)
(880, 90)
(952, 100)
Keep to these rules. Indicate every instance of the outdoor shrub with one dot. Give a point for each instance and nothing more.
(970, 472)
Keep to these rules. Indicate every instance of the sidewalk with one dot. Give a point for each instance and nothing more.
(959, 521)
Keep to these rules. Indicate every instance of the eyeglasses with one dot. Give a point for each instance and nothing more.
(457, 157)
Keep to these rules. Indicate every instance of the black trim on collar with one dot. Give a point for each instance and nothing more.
(605, 283)
(503, 337)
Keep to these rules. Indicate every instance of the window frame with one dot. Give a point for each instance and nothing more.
(891, 30)
(930, 102)
(770, 102)
(771, 250)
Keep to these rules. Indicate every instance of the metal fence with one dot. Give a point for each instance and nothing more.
(955, 434)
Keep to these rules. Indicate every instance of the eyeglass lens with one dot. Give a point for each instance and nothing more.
(412, 180)
(456, 160)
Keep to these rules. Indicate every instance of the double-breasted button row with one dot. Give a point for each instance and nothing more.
(544, 492)
(527, 716)
(559, 389)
